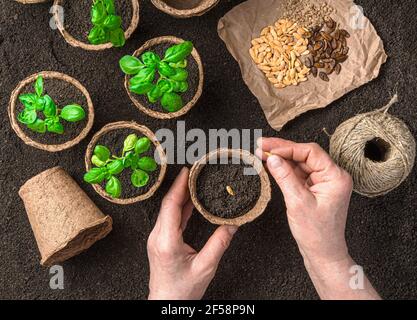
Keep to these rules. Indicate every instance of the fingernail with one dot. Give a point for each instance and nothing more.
(274, 162)
(232, 230)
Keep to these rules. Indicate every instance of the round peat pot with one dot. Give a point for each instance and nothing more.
(31, 1)
(233, 192)
(75, 41)
(115, 133)
(61, 84)
(196, 79)
(185, 8)
(63, 218)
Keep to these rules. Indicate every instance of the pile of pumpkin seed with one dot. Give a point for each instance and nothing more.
(306, 41)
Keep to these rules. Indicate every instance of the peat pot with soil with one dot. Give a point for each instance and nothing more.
(96, 24)
(125, 163)
(164, 78)
(51, 111)
(230, 187)
(185, 8)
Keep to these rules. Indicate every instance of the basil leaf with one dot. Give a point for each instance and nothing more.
(49, 109)
(180, 75)
(39, 103)
(165, 69)
(147, 164)
(28, 100)
(131, 65)
(171, 102)
(127, 160)
(73, 113)
(98, 35)
(139, 178)
(102, 152)
(155, 94)
(55, 127)
(112, 22)
(98, 13)
(97, 162)
(183, 86)
(39, 86)
(146, 75)
(142, 88)
(117, 37)
(95, 175)
(164, 86)
(182, 64)
(142, 145)
(114, 187)
(115, 167)
(130, 142)
(110, 7)
(150, 59)
(38, 126)
(178, 52)
(27, 116)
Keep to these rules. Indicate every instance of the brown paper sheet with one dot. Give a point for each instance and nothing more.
(245, 22)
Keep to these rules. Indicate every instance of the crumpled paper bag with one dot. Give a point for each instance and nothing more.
(366, 56)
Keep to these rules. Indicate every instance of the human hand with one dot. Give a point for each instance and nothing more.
(177, 271)
(317, 194)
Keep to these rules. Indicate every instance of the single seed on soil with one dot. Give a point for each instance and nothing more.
(230, 191)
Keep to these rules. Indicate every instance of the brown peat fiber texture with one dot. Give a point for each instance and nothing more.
(212, 184)
(263, 261)
(114, 141)
(63, 94)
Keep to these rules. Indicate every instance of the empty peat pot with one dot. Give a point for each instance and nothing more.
(73, 21)
(63, 218)
(195, 80)
(185, 8)
(64, 90)
(229, 187)
(112, 136)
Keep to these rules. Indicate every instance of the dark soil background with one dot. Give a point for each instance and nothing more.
(263, 261)
(114, 141)
(63, 94)
(213, 195)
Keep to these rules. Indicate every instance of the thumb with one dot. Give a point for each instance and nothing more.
(290, 185)
(213, 251)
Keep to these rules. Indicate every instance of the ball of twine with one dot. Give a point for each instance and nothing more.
(377, 149)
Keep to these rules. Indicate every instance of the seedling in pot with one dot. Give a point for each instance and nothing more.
(50, 116)
(106, 24)
(161, 80)
(107, 167)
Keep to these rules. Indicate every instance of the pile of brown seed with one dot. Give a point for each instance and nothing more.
(306, 13)
(328, 49)
(277, 52)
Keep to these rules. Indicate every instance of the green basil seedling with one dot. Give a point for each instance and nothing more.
(52, 115)
(108, 166)
(106, 24)
(172, 76)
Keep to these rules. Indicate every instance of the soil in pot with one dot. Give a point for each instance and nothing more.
(63, 93)
(212, 189)
(193, 80)
(114, 141)
(183, 5)
(77, 20)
